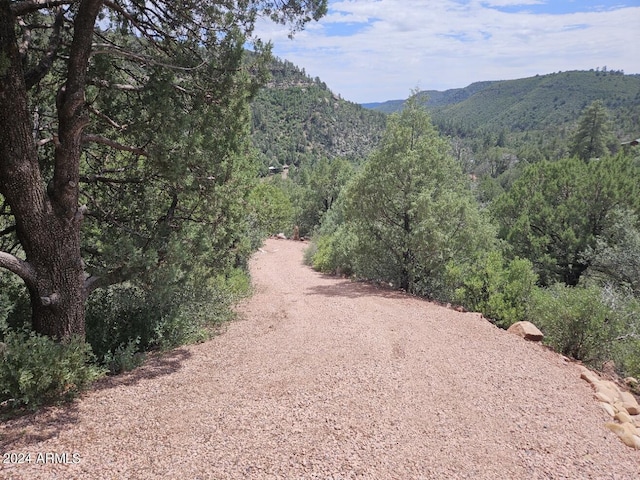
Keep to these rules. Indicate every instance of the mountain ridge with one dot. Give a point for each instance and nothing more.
(533, 103)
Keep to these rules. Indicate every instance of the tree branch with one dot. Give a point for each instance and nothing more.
(117, 86)
(21, 268)
(8, 230)
(113, 144)
(37, 73)
(30, 6)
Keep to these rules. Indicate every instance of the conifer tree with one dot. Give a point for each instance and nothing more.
(121, 122)
(593, 136)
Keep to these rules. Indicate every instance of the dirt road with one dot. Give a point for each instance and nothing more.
(322, 378)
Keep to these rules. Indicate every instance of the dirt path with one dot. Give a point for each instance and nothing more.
(328, 379)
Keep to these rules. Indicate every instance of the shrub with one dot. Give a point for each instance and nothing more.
(576, 322)
(500, 290)
(125, 319)
(334, 253)
(124, 358)
(626, 314)
(35, 369)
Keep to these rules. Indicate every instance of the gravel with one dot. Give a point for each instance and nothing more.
(324, 378)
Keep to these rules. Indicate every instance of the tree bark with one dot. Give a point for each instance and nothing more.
(47, 217)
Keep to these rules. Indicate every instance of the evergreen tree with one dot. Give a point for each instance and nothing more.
(120, 123)
(555, 212)
(593, 136)
(410, 207)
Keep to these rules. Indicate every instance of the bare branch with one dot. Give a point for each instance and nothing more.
(30, 6)
(103, 179)
(107, 119)
(107, 49)
(8, 230)
(21, 268)
(87, 138)
(116, 86)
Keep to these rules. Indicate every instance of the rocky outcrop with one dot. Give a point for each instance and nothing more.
(620, 405)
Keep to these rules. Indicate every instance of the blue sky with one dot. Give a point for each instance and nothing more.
(377, 50)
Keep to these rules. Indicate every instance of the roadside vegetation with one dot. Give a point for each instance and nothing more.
(558, 245)
(137, 180)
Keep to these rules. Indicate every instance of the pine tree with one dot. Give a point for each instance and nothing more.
(120, 123)
(593, 135)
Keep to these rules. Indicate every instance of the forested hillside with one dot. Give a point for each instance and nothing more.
(297, 119)
(535, 103)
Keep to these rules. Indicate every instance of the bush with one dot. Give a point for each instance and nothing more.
(333, 253)
(576, 322)
(124, 358)
(500, 290)
(35, 369)
(626, 347)
(125, 319)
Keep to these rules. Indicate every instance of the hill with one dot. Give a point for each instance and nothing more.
(297, 118)
(535, 103)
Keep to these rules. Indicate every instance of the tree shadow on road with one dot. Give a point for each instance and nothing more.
(351, 289)
(156, 365)
(46, 423)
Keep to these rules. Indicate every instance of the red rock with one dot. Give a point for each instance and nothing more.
(526, 330)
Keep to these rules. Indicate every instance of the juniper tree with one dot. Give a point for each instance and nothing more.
(121, 122)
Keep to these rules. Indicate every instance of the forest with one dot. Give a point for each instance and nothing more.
(141, 151)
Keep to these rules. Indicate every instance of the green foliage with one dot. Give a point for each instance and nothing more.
(410, 208)
(123, 320)
(556, 210)
(318, 188)
(271, 212)
(500, 289)
(536, 103)
(593, 136)
(625, 308)
(576, 322)
(335, 253)
(297, 120)
(615, 258)
(35, 369)
(124, 358)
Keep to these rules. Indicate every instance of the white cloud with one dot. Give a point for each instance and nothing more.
(447, 44)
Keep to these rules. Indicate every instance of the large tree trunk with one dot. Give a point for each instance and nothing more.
(47, 218)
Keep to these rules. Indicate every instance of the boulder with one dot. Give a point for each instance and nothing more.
(588, 375)
(630, 403)
(623, 417)
(526, 330)
(606, 406)
(626, 432)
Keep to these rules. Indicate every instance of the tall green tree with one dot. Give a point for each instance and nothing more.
(121, 117)
(556, 211)
(411, 208)
(321, 183)
(594, 134)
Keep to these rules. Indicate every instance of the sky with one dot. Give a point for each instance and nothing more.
(378, 50)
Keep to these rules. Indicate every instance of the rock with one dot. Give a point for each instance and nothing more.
(630, 403)
(526, 330)
(588, 375)
(631, 382)
(626, 433)
(623, 417)
(602, 397)
(281, 236)
(605, 388)
(606, 406)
